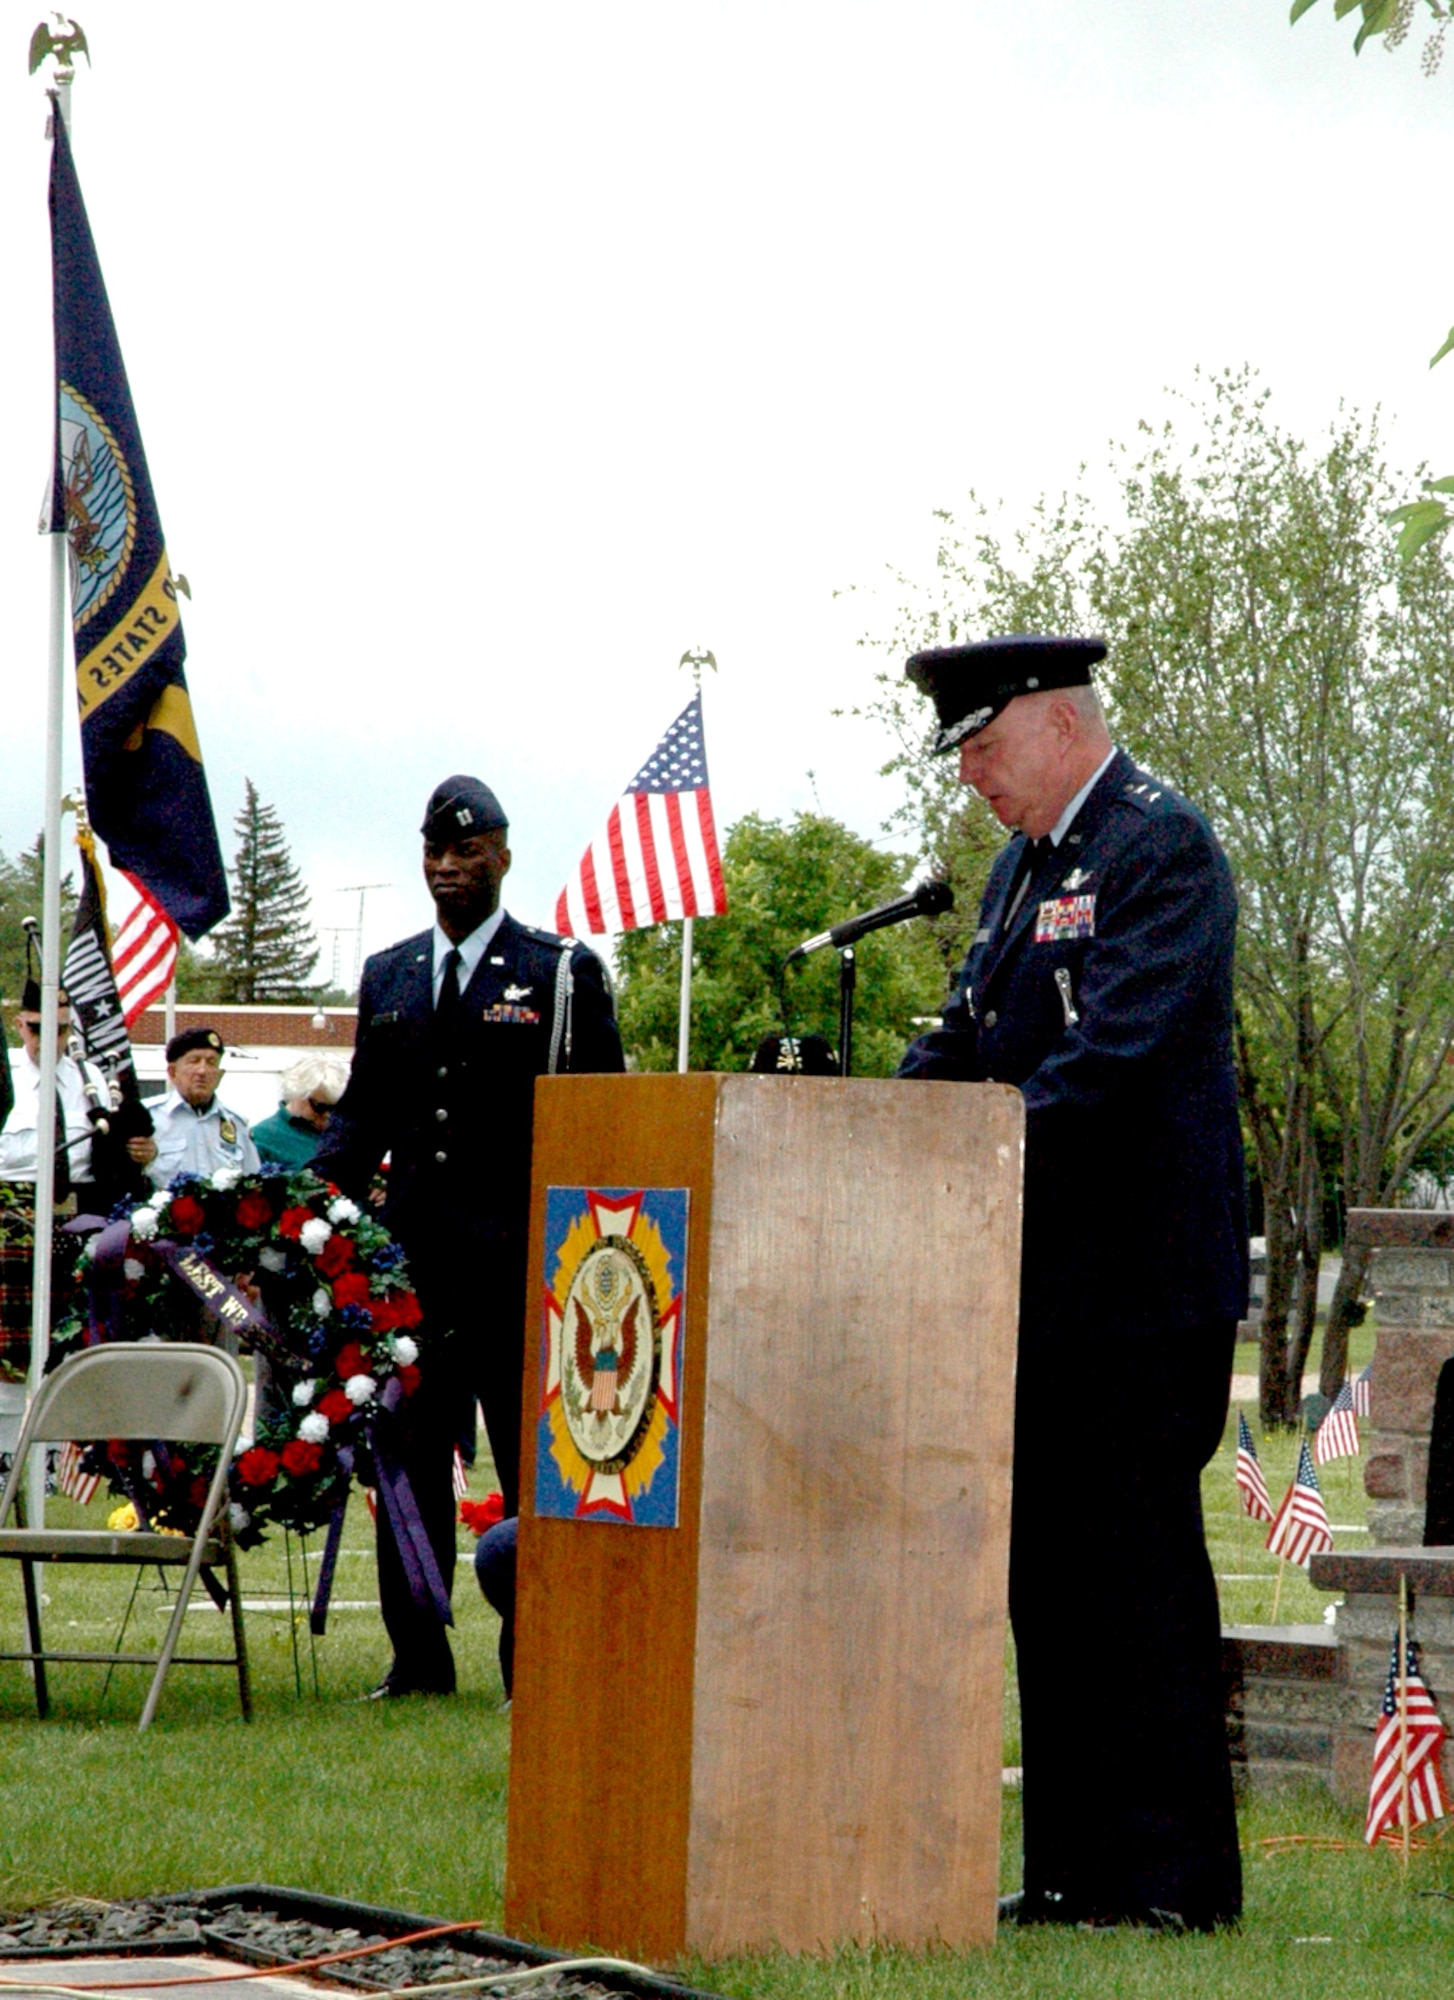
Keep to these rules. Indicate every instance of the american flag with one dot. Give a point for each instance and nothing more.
(1360, 1391)
(75, 1483)
(143, 952)
(1425, 1738)
(1337, 1435)
(459, 1478)
(656, 858)
(1252, 1485)
(1301, 1528)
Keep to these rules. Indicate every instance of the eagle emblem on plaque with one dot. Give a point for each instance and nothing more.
(615, 1268)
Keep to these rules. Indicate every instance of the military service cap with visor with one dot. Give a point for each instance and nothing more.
(971, 685)
(461, 807)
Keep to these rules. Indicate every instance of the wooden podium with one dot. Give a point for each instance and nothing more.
(776, 1721)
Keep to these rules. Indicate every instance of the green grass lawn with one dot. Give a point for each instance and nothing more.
(404, 1803)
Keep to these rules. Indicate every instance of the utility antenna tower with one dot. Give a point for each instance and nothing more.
(361, 890)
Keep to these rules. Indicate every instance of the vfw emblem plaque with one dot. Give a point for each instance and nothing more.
(607, 1445)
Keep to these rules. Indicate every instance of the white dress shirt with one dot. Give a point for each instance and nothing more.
(199, 1142)
(17, 1141)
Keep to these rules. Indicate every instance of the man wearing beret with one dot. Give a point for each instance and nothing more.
(1099, 981)
(454, 1026)
(194, 1132)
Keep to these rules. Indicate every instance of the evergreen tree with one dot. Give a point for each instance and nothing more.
(266, 950)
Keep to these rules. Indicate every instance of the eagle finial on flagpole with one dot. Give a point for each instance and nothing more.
(696, 658)
(65, 48)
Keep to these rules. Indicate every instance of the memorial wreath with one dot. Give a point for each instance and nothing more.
(304, 1277)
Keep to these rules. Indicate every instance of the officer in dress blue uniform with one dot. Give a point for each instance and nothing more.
(1099, 981)
(454, 1026)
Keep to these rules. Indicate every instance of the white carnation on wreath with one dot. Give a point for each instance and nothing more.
(272, 1259)
(131, 1270)
(160, 1200)
(303, 1393)
(314, 1234)
(404, 1350)
(343, 1210)
(360, 1389)
(144, 1225)
(322, 1302)
(314, 1428)
(148, 1465)
(226, 1178)
(238, 1517)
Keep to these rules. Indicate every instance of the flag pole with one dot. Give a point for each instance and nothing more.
(1403, 1714)
(1302, 1431)
(50, 954)
(684, 1016)
(696, 658)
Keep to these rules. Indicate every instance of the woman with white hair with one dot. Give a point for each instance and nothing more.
(311, 1087)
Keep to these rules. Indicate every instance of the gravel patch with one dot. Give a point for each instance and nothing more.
(260, 1932)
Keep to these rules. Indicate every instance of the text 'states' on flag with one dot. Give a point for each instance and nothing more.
(145, 786)
(656, 858)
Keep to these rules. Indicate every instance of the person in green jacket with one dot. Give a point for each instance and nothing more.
(311, 1087)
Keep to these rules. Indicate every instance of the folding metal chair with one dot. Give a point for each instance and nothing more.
(175, 1391)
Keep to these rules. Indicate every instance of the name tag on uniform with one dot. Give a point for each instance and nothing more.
(507, 1010)
(1065, 918)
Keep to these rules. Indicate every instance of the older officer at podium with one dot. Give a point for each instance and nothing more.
(1099, 981)
(454, 1026)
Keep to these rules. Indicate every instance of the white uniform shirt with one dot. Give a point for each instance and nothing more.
(17, 1141)
(199, 1142)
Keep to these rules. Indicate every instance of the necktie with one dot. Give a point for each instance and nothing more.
(448, 1006)
(1029, 862)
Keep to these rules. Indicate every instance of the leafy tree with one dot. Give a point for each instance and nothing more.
(784, 883)
(1418, 521)
(1274, 660)
(266, 950)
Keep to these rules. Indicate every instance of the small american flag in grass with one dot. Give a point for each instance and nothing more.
(459, 1477)
(1301, 1529)
(71, 1478)
(1360, 1391)
(1337, 1435)
(1424, 1733)
(1251, 1486)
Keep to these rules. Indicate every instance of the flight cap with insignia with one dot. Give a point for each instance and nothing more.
(970, 685)
(461, 807)
(193, 1038)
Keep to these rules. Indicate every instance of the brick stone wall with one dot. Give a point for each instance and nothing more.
(1411, 1273)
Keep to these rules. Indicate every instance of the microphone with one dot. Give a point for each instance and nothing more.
(931, 899)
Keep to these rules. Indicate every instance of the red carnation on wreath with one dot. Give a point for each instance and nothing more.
(351, 1289)
(398, 1313)
(335, 1406)
(336, 1256)
(408, 1375)
(290, 1222)
(351, 1360)
(258, 1466)
(254, 1211)
(186, 1215)
(299, 1457)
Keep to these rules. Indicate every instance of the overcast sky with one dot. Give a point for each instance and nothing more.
(485, 367)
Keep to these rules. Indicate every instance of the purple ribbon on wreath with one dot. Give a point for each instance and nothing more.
(318, 1616)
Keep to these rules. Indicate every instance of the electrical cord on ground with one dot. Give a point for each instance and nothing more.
(483, 1982)
(251, 1971)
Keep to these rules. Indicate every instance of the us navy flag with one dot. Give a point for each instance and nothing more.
(145, 786)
